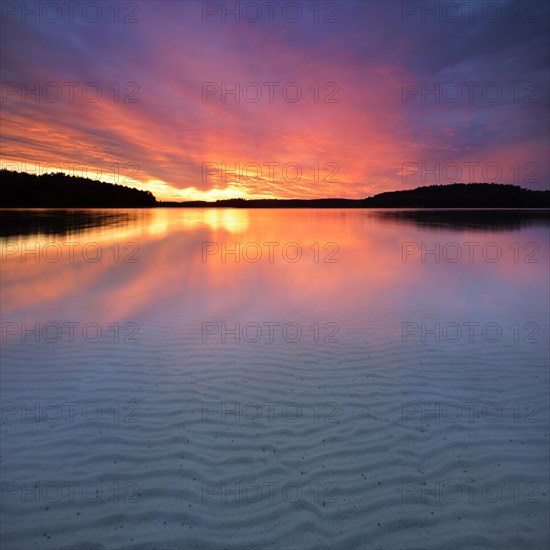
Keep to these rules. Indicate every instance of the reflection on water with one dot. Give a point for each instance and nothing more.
(481, 220)
(39, 221)
(151, 255)
(14, 222)
(342, 261)
(234, 220)
(385, 312)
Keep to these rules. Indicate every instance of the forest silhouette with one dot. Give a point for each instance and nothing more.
(58, 190)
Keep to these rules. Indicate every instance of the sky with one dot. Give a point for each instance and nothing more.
(313, 99)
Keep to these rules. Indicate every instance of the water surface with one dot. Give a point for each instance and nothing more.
(232, 378)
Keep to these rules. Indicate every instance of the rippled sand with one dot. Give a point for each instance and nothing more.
(366, 442)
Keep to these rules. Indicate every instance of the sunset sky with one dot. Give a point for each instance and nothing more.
(393, 95)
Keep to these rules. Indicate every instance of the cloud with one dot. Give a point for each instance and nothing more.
(153, 113)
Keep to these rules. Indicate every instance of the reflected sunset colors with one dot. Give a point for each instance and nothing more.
(351, 267)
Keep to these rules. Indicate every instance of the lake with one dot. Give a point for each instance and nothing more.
(289, 378)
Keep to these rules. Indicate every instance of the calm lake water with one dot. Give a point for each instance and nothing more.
(203, 378)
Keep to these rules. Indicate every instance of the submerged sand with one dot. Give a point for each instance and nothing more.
(369, 442)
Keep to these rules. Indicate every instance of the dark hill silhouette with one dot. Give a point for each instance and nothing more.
(22, 190)
(461, 195)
